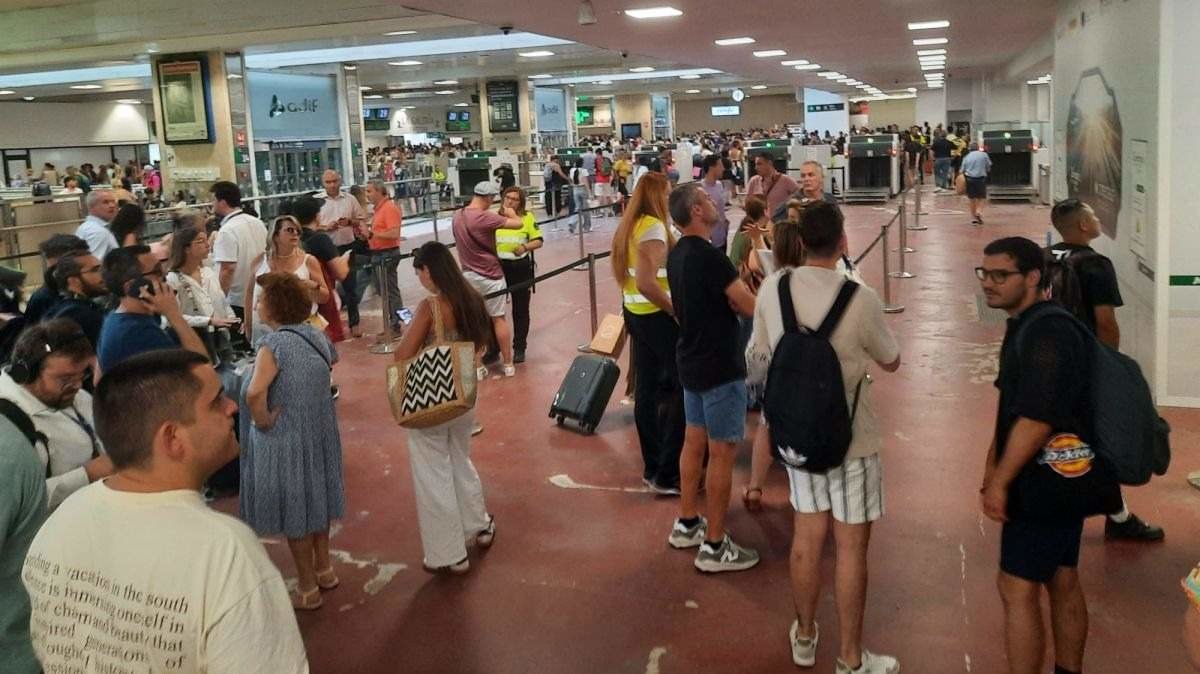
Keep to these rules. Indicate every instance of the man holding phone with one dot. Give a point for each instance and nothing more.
(342, 217)
(134, 275)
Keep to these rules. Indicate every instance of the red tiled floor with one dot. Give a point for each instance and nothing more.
(581, 580)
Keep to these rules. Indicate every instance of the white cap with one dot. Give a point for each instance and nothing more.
(486, 188)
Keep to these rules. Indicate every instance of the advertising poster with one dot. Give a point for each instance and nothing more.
(183, 86)
(503, 111)
(1139, 201)
(1094, 146)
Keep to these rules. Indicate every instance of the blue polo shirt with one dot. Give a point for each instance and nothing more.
(125, 335)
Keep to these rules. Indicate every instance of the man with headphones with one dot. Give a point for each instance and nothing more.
(50, 362)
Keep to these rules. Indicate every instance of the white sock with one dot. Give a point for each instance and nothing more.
(1121, 517)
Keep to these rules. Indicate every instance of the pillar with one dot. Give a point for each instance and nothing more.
(826, 111)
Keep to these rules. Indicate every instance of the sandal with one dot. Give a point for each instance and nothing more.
(307, 601)
(327, 579)
(752, 498)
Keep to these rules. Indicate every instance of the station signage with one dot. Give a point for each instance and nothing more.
(503, 109)
(285, 107)
(826, 107)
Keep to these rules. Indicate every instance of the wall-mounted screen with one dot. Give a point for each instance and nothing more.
(458, 121)
(726, 110)
(383, 113)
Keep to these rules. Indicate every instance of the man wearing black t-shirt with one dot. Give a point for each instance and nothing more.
(1100, 296)
(914, 155)
(1041, 478)
(705, 293)
(942, 159)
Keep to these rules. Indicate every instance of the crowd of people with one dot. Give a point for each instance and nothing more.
(112, 501)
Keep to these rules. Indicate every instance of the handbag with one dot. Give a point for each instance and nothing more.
(436, 385)
(960, 183)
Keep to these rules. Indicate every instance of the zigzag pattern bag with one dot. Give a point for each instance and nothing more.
(435, 386)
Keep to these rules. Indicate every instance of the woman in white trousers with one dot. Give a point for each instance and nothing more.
(449, 494)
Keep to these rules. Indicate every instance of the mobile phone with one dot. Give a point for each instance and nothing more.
(135, 288)
(405, 315)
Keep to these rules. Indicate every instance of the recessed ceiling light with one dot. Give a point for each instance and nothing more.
(462, 105)
(446, 82)
(86, 86)
(401, 32)
(604, 82)
(536, 54)
(692, 91)
(925, 25)
(767, 53)
(689, 77)
(642, 69)
(930, 52)
(27, 98)
(364, 88)
(373, 96)
(349, 67)
(759, 87)
(794, 62)
(730, 41)
(933, 66)
(809, 66)
(543, 76)
(404, 63)
(446, 92)
(126, 101)
(929, 40)
(653, 12)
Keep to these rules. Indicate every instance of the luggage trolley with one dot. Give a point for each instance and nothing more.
(1014, 164)
(872, 168)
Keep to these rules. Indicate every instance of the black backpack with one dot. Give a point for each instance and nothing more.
(805, 399)
(1127, 432)
(1063, 280)
(21, 420)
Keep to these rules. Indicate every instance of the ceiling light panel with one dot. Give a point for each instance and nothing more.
(768, 53)
(538, 53)
(543, 76)
(808, 66)
(642, 69)
(86, 86)
(404, 63)
(926, 25)
(653, 13)
(731, 41)
(794, 62)
(692, 91)
(930, 52)
(446, 82)
(759, 87)
(401, 32)
(933, 66)
(930, 41)
(402, 50)
(689, 77)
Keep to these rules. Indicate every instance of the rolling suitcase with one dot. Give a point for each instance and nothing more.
(585, 391)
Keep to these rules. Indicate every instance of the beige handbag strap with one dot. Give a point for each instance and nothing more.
(439, 331)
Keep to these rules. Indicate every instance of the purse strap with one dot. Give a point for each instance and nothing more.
(310, 343)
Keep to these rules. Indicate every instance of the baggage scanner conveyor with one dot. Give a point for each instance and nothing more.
(872, 168)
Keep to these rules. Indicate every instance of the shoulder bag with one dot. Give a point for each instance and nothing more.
(435, 386)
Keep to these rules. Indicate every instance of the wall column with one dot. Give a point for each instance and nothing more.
(194, 167)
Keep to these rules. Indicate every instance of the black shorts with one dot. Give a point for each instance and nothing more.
(1035, 551)
(976, 188)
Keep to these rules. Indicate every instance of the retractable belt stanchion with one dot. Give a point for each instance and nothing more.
(386, 341)
(903, 249)
(591, 267)
(888, 306)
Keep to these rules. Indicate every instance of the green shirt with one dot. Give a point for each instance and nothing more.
(22, 511)
(739, 249)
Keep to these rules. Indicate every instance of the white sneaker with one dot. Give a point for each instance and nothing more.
(804, 651)
(481, 373)
(872, 663)
(510, 370)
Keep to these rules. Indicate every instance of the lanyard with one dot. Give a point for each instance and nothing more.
(87, 428)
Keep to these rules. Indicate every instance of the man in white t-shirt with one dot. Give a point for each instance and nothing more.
(241, 239)
(136, 571)
(853, 491)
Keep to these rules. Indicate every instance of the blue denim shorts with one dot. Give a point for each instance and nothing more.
(721, 410)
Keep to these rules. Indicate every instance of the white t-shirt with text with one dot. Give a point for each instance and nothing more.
(241, 239)
(160, 582)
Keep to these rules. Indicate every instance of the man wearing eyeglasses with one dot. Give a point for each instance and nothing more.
(52, 360)
(1041, 479)
(80, 280)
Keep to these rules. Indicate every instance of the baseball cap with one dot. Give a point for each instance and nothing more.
(486, 188)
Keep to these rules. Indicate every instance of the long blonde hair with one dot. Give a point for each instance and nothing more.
(649, 198)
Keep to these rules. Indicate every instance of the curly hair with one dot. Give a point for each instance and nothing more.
(285, 297)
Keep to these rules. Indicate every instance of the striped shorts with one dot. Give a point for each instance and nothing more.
(853, 490)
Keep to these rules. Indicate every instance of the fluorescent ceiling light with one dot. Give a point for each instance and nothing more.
(7, 92)
(604, 82)
(689, 77)
(536, 54)
(642, 69)
(912, 90)
(794, 62)
(349, 67)
(404, 63)
(543, 76)
(401, 50)
(462, 105)
(830, 74)
(759, 87)
(446, 82)
(933, 66)
(935, 76)
(692, 91)
(932, 61)
(862, 86)
(27, 98)
(364, 88)
(653, 12)
(400, 32)
(86, 86)
(373, 96)
(127, 101)
(446, 92)
(924, 25)
(854, 83)
(930, 52)
(935, 85)
(767, 53)
(929, 40)
(843, 78)
(730, 41)
(809, 66)
(233, 76)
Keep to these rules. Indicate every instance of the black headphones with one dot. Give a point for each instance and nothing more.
(27, 370)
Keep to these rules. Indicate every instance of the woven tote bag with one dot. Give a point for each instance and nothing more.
(437, 384)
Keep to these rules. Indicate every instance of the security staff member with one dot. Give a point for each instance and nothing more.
(513, 247)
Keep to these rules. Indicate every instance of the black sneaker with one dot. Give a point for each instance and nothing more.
(519, 356)
(1132, 529)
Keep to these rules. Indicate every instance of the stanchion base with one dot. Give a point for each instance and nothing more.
(893, 308)
(902, 274)
(584, 348)
(382, 347)
(919, 228)
(906, 250)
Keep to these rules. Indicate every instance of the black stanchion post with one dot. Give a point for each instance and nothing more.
(591, 267)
